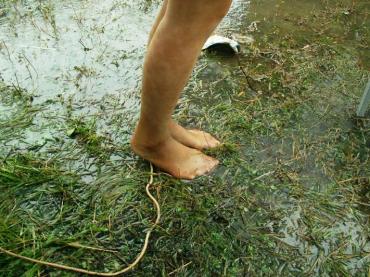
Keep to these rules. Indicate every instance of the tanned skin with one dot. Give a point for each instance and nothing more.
(175, 42)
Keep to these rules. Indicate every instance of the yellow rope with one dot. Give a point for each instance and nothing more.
(93, 273)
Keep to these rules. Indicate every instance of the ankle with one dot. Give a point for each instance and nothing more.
(149, 134)
(147, 140)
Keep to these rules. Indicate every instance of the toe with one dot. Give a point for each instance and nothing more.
(212, 142)
(214, 165)
(209, 166)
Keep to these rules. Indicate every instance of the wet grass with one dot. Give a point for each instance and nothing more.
(291, 197)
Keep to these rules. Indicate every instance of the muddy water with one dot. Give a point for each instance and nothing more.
(350, 29)
(84, 49)
(80, 49)
(90, 53)
(84, 59)
(86, 55)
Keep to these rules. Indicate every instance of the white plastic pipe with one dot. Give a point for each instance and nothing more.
(365, 101)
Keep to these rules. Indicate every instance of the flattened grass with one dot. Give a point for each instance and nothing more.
(291, 197)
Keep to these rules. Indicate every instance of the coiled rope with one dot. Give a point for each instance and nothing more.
(93, 273)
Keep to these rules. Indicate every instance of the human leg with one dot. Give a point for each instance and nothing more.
(192, 138)
(172, 53)
(158, 20)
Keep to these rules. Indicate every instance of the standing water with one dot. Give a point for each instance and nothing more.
(291, 197)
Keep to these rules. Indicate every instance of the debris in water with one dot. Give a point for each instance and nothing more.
(243, 39)
(222, 44)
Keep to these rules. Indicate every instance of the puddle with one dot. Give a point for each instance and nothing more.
(305, 20)
(84, 59)
(92, 49)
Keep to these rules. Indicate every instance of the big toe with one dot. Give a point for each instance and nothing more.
(212, 141)
(208, 165)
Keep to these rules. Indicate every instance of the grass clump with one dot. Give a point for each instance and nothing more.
(17, 112)
(85, 134)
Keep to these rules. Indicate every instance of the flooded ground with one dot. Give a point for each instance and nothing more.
(291, 197)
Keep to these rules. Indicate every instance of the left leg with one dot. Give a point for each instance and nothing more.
(168, 64)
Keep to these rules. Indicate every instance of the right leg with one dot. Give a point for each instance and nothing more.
(172, 53)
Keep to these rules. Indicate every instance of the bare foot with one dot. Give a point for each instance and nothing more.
(175, 158)
(193, 138)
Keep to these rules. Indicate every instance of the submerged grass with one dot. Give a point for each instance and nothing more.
(291, 197)
(17, 112)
